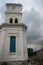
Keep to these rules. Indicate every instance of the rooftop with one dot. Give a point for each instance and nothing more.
(14, 4)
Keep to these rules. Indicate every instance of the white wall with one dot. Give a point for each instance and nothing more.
(18, 31)
(13, 11)
(2, 38)
(20, 44)
(14, 8)
(13, 16)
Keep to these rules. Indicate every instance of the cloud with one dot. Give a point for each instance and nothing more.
(35, 28)
(39, 2)
(0, 17)
(38, 5)
(35, 47)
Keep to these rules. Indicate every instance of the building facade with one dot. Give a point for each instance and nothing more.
(13, 36)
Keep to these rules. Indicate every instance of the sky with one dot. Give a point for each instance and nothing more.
(32, 17)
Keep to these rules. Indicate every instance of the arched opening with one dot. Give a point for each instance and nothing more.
(16, 20)
(11, 20)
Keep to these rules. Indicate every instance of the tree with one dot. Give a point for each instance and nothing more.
(31, 53)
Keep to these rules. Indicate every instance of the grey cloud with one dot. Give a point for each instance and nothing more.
(38, 5)
(6, 1)
(34, 22)
(38, 2)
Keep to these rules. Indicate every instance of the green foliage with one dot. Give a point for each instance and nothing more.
(31, 53)
(34, 53)
(5, 63)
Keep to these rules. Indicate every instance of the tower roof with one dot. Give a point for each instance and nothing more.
(17, 4)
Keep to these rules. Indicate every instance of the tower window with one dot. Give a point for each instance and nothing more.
(12, 44)
(16, 20)
(11, 20)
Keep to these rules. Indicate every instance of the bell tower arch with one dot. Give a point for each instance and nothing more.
(13, 11)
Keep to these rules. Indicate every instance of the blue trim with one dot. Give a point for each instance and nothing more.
(12, 44)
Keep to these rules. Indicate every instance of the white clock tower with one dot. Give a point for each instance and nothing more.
(13, 36)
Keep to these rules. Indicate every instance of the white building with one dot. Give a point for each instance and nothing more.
(13, 36)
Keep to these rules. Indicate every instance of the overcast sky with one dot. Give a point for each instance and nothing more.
(32, 17)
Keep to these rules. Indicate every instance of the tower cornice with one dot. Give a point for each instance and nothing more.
(17, 4)
(13, 13)
(5, 25)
